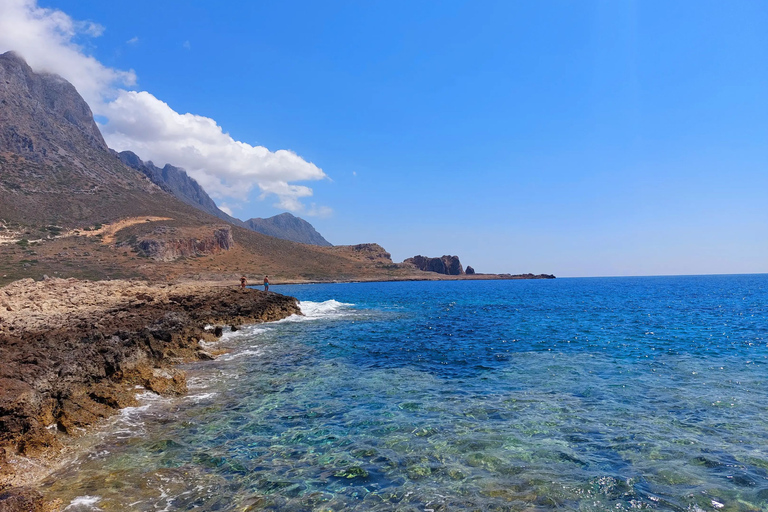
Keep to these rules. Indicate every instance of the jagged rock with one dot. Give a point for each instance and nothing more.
(449, 265)
(469, 271)
(20, 499)
(371, 252)
(73, 351)
(163, 249)
(176, 181)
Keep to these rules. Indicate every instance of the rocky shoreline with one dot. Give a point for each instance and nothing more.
(74, 352)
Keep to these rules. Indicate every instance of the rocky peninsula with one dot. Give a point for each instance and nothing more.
(74, 352)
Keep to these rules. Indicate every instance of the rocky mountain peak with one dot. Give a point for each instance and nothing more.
(288, 227)
(27, 97)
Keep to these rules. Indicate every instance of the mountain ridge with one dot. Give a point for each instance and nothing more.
(176, 181)
(288, 227)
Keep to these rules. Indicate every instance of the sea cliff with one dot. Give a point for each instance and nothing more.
(74, 352)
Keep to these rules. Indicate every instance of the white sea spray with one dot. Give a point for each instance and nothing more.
(83, 503)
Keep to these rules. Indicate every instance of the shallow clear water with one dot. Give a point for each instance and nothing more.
(567, 394)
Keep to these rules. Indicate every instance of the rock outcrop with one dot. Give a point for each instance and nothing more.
(171, 249)
(448, 265)
(288, 227)
(73, 352)
(469, 271)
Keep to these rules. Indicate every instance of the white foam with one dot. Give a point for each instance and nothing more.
(198, 382)
(248, 330)
(129, 422)
(321, 310)
(84, 503)
(200, 397)
(235, 355)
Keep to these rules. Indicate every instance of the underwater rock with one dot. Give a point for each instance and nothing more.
(351, 472)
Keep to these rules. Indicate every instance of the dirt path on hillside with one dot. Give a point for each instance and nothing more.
(108, 231)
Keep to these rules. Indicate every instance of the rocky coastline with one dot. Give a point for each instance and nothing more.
(74, 352)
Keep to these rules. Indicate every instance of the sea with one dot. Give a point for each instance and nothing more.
(583, 394)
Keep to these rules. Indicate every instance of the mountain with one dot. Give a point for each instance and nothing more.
(176, 181)
(69, 207)
(55, 167)
(288, 227)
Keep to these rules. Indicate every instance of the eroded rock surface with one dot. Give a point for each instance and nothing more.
(164, 249)
(448, 265)
(74, 352)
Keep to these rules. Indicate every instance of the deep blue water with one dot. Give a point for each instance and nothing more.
(566, 394)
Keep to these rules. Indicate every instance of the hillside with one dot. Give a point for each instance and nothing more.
(71, 208)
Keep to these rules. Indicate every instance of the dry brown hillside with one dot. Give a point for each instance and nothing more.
(70, 208)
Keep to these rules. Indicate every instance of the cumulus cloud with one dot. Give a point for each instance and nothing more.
(140, 122)
(223, 166)
(46, 40)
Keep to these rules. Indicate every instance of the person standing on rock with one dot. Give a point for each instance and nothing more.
(243, 282)
(266, 283)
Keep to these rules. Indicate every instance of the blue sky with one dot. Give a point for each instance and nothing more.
(571, 137)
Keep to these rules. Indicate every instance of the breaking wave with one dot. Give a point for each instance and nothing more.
(322, 310)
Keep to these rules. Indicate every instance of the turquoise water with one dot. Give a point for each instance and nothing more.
(567, 394)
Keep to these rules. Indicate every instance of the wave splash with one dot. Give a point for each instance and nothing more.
(322, 310)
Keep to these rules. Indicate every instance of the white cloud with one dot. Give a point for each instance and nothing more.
(319, 211)
(89, 28)
(226, 209)
(223, 166)
(45, 38)
(187, 45)
(133, 40)
(140, 122)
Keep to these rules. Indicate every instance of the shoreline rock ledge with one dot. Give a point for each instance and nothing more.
(73, 352)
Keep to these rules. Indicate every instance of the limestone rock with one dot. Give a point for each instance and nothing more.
(74, 351)
(170, 249)
(448, 265)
